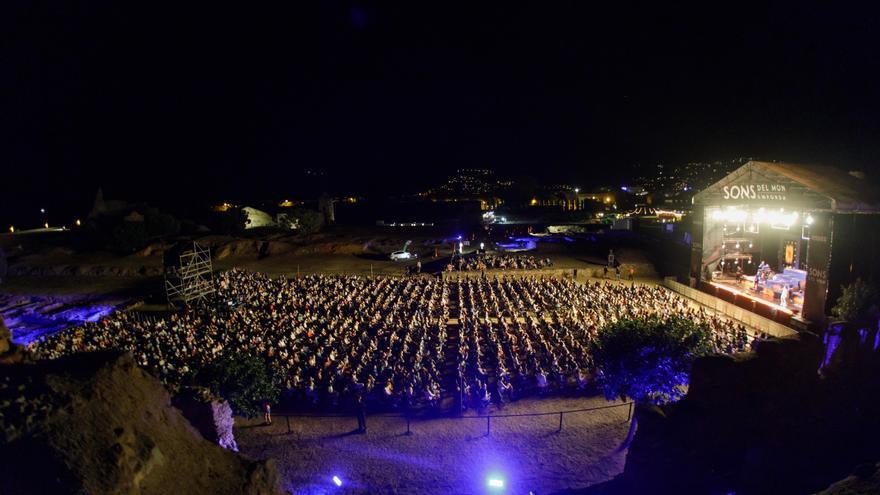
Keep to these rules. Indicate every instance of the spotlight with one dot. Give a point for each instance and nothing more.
(337, 481)
(809, 220)
(495, 482)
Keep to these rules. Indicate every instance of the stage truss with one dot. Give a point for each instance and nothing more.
(192, 280)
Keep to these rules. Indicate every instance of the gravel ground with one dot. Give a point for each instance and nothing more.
(446, 455)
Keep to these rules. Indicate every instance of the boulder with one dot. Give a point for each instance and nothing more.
(97, 423)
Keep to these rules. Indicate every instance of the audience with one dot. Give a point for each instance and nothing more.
(329, 337)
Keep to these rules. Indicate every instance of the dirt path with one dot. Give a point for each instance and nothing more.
(446, 455)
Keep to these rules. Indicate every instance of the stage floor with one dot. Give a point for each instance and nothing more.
(763, 295)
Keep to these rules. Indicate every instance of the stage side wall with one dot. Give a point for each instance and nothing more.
(741, 315)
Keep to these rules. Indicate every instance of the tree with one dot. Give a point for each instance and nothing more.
(244, 381)
(648, 360)
(857, 303)
(160, 224)
(129, 236)
(309, 221)
(230, 221)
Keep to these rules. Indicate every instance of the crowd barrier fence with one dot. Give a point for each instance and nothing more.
(488, 417)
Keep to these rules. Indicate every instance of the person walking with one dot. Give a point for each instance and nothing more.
(361, 411)
(267, 413)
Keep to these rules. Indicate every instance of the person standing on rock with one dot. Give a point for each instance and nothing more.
(267, 413)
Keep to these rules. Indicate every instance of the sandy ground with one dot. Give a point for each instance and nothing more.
(446, 455)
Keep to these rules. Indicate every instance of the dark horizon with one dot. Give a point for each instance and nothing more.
(149, 103)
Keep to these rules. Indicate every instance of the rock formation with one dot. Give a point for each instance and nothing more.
(763, 422)
(97, 423)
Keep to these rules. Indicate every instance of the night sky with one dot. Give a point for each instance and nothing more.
(148, 99)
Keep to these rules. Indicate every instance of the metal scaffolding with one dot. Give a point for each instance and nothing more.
(191, 277)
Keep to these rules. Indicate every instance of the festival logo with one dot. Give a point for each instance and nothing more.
(771, 192)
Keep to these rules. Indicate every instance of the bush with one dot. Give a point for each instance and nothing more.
(231, 221)
(648, 360)
(161, 224)
(309, 221)
(857, 303)
(130, 236)
(244, 381)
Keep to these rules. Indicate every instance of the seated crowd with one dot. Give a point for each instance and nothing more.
(524, 335)
(328, 337)
(499, 262)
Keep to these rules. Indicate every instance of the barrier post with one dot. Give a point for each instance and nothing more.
(488, 419)
(408, 432)
(288, 424)
(560, 422)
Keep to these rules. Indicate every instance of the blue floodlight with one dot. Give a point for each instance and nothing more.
(337, 481)
(495, 482)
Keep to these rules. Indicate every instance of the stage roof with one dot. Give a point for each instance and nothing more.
(793, 185)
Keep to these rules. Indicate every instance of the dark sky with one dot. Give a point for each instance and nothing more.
(151, 98)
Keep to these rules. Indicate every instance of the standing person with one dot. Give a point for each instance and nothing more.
(361, 411)
(418, 267)
(267, 413)
(617, 272)
(632, 272)
(605, 271)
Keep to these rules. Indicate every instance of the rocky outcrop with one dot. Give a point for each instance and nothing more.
(213, 418)
(762, 422)
(9, 352)
(97, 423)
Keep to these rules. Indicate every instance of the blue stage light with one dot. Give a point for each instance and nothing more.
(337, 481)
(495, 482)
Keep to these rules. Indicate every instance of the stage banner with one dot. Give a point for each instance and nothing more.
(818, 263)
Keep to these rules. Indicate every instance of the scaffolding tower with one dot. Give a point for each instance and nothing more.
(190, 277)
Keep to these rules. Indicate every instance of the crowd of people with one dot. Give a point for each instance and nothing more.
(394, 342)
(481, 262)
(526, 335)
(326, 337)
